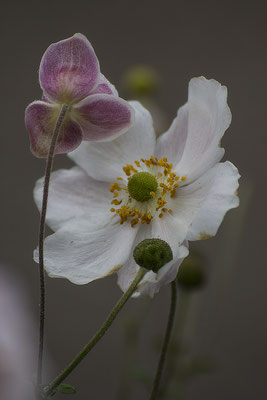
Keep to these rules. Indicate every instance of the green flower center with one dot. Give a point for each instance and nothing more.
(142, 186)
(132, 203)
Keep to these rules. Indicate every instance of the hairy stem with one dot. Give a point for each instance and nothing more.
(51, 388)
(48, 169)
(167, 337)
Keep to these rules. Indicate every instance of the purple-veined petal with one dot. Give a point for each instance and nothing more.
(104, 86)
(103, 117)
(105, 161)
(46, 99)
(87, 248)
(40, 120)
(69, 69)
(72, 193)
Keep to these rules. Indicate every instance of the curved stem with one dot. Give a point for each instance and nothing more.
(48, 169)
(167, 337)
(178, 331)
(50, 389)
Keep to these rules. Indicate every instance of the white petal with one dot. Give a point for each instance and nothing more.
(166, 230)
(189, 200)
(208, 118)
(221, 197)
(168, 274)
(87, 249)
(104, 161)
(129, 270)
(171, 144)
(72, 193)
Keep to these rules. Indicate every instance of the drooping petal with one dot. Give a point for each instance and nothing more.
(103, 117)
(165, 229)
(221, 197)
(208, 118)
(85, 249)
(40, 120)
(104, 86)
(165, 276)
(69, 69)
(104, 161)
(72, 193)
(171, 144)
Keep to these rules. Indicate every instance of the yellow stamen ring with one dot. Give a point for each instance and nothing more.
(145, 192)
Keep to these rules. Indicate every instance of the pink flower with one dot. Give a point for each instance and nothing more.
(70, 75)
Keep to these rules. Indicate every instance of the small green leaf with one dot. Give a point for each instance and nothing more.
(66, 388)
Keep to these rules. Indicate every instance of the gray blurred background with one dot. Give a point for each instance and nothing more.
(180, 39)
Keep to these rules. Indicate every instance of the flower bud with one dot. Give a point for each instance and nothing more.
(191, 273)
(141, 81)
(152, 254)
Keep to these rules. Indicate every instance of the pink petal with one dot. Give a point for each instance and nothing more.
(69, 69)
(40, 119)
(46, 99)
(104, 86)
(103, 117)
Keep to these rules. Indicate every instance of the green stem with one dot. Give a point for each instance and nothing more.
(175, 356)
(48, 169)
(50, 389)
(167, 337)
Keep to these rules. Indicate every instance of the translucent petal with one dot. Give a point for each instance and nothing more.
(221, 197)
(196, 132)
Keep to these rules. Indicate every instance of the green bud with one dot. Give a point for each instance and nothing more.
(142, 185)
(141, 81)
(152, 254)
(191, 274)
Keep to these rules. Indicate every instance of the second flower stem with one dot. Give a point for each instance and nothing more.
(51, 388)
(167, 337)
(48, 169)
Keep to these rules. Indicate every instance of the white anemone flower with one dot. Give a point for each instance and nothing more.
(135, 187)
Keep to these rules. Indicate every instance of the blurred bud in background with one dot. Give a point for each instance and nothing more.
(141, 80)
(143, 83)
(191, 274)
